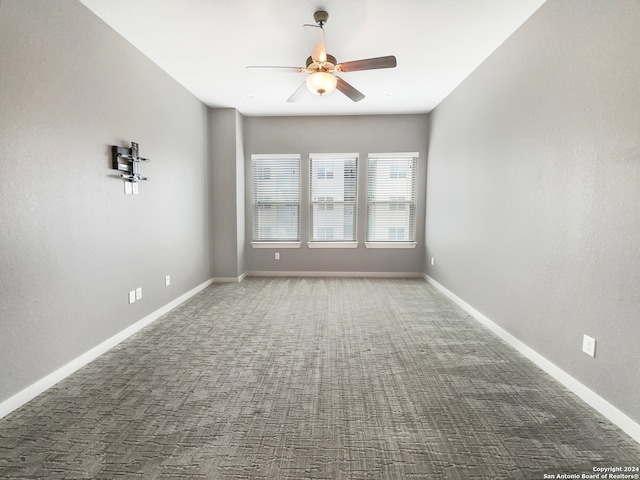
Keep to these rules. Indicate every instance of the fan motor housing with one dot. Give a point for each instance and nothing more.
(328, 66)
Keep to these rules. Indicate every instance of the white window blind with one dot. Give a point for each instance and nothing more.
(276, 197)
(333, 192)
(391, 197)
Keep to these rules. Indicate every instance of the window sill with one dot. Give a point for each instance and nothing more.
(275, 244)
(332, 244)
(390, 244)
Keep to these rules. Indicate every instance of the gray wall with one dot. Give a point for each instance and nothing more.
(534, 191)
(71, 243)
(227, 192)
(363, 135)
(241, 244)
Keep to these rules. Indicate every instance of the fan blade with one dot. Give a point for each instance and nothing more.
(289, 69)
(369, 64)
(315, 39)
(298, 94)
(349, 90)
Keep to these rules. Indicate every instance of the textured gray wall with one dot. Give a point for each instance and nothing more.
(224, 260)
(534, 191)
(227, 192)
(71, 243)
(346, 134)
(241, 244)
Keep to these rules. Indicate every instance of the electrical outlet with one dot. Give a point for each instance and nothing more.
(589, 345)
(134, 186)
(128, 190)
(132, 296)
(433, 261)
(167, 280)
(277, 255)
(138, 293)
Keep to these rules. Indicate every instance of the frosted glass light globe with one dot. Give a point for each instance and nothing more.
(321, 83)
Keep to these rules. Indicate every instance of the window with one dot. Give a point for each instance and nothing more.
(398, 171)
(325, 203)
(276, 198)
(325, 233)
(396, 233)
(391, 198)
(397, 206)
(263, 172)
(333, 183)
(324, 172)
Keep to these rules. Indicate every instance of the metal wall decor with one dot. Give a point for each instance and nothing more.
(128, 160)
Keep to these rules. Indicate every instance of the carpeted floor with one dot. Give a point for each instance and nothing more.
(320, 378)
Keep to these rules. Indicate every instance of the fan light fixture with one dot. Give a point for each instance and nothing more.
(322, 67)
(321, 83)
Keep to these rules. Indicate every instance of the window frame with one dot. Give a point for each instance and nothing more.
(407, 206)
(257, 205)
(326, 201)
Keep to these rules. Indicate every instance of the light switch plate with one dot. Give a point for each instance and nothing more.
(138, 293)
(128, 189)
(132, 296)
(167, 280)
(134, 186)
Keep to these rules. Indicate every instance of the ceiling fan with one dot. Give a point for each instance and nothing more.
(322, 67)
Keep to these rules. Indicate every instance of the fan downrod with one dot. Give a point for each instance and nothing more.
(321, 17)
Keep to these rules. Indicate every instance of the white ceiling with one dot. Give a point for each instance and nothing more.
(207, 44)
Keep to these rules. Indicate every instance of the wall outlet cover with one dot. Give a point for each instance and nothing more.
(138, 293)
(589, 345)
(167, 280)
(132, 296)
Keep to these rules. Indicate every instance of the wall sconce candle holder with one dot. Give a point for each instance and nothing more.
(128, 160)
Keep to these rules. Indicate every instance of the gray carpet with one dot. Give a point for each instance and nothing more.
(319, 378)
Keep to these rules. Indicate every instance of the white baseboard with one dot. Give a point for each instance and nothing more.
(35, 389)
(613, 414)
(229, 279)
(271, 273)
